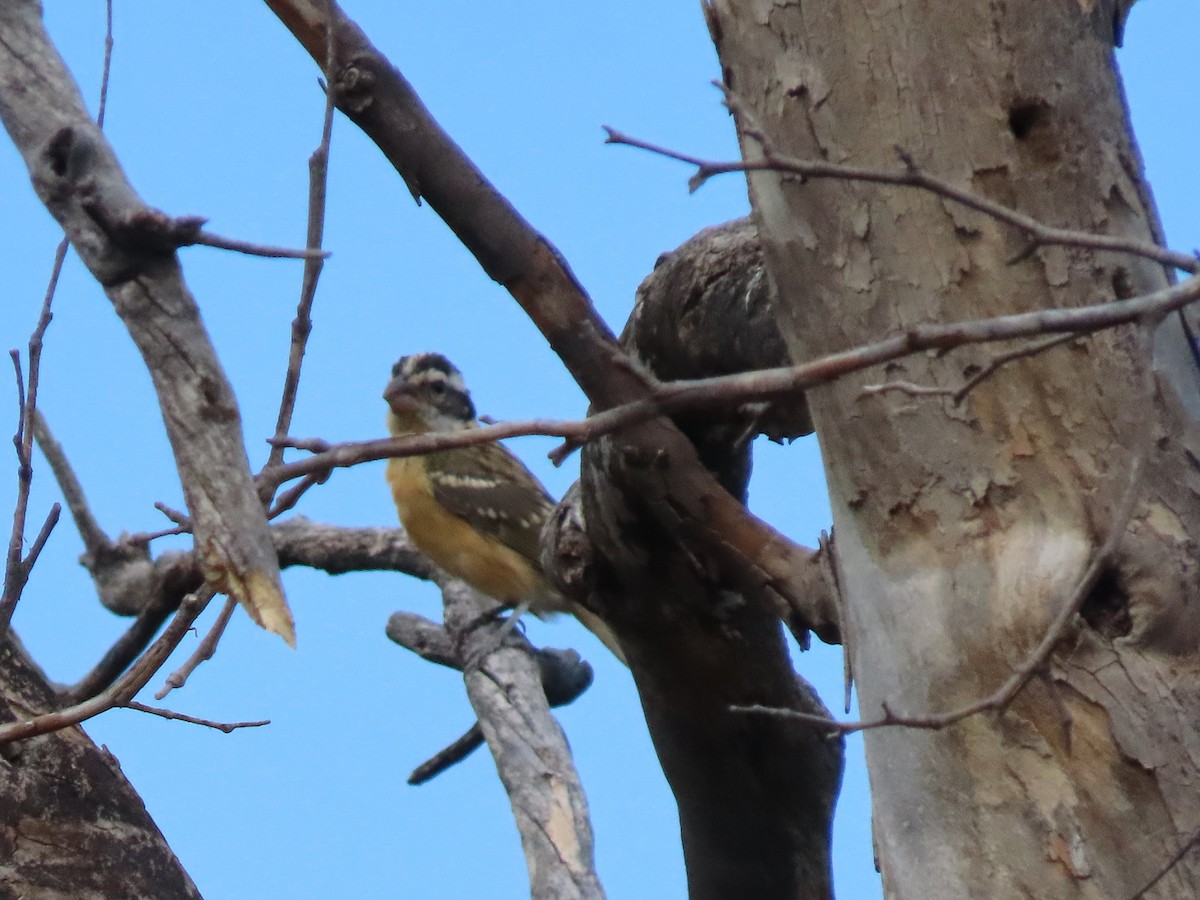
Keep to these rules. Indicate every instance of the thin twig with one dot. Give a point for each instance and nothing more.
(95, 541)
(204, 652)
(910, 176)
(180, 518)
(226, 727)
(145, 537)
(289, 498)
(123, 653)
(765, 384)
(1175, 860)
(1036, 660)
(208, 239)
(960, 393)
(318, 178)
(43, 535)
(450, 755)
(108, 49)
(125, 687)
(16, 569)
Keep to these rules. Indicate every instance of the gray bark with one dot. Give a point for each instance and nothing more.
(962, 529)
(129, 248)
(531, 752)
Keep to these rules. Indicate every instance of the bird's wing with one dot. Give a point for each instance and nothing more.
(494, 492)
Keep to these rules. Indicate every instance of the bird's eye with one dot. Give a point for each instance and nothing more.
(438, 387)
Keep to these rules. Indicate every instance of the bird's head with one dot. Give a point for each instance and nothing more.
(427, 393)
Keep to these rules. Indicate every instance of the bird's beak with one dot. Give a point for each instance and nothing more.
(399, 397)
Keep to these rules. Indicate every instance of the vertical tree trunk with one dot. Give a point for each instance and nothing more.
(963, 529)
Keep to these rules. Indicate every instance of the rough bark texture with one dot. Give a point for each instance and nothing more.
(755, 796)
(707, 309)
(71, 826)
(129, 249)
(961, 530)
(531, 753)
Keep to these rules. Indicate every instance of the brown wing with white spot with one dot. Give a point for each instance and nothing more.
(495, 493)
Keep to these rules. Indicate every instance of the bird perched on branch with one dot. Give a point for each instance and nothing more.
(476, 511)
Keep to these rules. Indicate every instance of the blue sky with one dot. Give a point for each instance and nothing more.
(213, 111)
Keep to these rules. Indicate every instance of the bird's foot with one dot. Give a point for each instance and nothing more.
(496, 638)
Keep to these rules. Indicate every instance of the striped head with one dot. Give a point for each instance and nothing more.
(427, 393)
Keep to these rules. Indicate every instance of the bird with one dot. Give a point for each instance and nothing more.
(477, 512)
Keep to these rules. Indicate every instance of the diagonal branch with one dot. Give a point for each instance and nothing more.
(531, 753)
(377, 98)
(77, 176)
(765, 384)
(124, 688)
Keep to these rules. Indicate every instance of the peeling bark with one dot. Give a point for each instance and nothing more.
(962, 529)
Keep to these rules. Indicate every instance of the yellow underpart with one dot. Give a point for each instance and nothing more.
(451, 543)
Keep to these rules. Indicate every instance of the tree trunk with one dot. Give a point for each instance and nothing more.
(70, 824)
(963, 529)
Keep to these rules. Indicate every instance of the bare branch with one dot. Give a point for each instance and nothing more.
(16, 569)
(910, 176)
(107, 68)
(171, 578)
(531, 753)
(154, 587)
(226, 727)
(124, 688)
(565, 676)
(959, 394)
(202, 653)
(450, 755)
(95, 541)
(764, 384)
(318, 177)
(76, 174)
(268, 251)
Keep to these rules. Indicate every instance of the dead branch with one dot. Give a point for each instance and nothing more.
(909, 175)
(77, 176)
(17, 567)
(318, 176)
(249, 248)
(957, 395)
(155, 587)
(531, 753)
(204, 651)
(564, 675)
(766, 384)
(227, 727)
(125, 687)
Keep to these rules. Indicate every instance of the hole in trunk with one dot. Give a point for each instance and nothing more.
(1025, 115)
(1106, 608)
